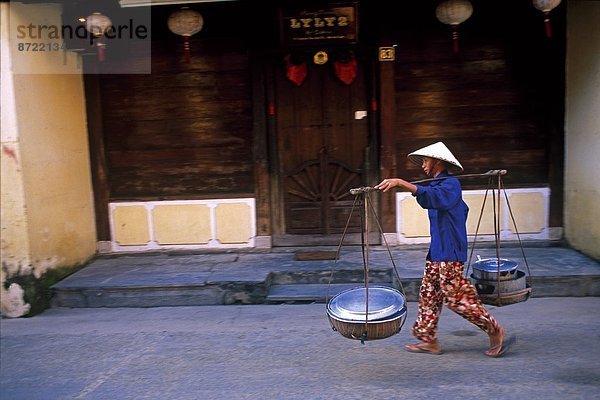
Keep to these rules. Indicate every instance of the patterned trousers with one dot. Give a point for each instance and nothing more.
(444, 282)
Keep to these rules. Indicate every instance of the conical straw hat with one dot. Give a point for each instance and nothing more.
(439, 151)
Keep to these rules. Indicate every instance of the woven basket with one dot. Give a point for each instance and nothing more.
(371, 330)
(506, 299)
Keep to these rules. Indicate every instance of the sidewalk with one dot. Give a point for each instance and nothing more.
(257, 277)
(275, 352)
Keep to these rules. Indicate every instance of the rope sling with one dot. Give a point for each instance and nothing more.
(363, 195)
(509, 298)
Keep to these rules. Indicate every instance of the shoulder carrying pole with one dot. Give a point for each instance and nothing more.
(492, 172)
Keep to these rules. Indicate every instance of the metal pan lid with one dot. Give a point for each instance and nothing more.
(491, 265)
(351, 304)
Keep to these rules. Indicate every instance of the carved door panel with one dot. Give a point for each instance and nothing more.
(317, 198)
(322, 141)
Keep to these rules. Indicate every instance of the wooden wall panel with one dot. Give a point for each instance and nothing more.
(498, 103)
(185, 131)
(474, 104)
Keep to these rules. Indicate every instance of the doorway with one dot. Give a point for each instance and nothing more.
(322, 144)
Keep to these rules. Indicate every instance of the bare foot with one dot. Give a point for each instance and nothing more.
(425, 347)
(496, 341)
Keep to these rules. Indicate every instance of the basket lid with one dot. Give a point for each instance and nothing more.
(351, 304)
(491, 265)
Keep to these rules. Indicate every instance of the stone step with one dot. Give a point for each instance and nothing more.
(324, 276)
(309, 292)
(264, 290)
(160, 295)
(551, 286)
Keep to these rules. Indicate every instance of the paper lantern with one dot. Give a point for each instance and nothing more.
(454, 13)
(185, 22)
(546, 6)
(98, 24)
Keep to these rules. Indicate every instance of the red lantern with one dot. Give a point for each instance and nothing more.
(185, 22)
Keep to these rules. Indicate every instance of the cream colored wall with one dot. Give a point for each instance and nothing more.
(56, 170)
(47, 202)
(216, 223)
(582, 129)
(529, 207)
(15, 255)
(181, 224)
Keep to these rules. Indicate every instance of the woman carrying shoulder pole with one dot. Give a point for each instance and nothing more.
(443, 280)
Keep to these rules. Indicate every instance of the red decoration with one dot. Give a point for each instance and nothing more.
(373, 104)
(546, 6)
(548, 26)
(345, 71)
(295, 72)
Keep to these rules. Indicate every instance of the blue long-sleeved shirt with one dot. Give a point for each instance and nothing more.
(447, 218)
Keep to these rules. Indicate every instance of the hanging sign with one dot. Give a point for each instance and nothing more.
(318, 25)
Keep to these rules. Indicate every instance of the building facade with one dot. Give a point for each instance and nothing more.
(255, 140)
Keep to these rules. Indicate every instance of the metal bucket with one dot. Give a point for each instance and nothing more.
(487, 287)
(347, 313)
(487, 269)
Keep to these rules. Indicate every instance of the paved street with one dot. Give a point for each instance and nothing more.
(290, 352)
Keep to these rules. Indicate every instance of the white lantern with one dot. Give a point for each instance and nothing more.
(98, 24)
(185, 22)
(454, 13)
(546, 6)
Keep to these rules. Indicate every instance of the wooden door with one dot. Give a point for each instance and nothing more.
(322, 137)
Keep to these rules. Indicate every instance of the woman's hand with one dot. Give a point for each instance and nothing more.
(387, 184)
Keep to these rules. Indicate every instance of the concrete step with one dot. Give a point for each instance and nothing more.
(260, 292)
(551, 286)
(189, 279)
(169, 281)
(324, 276)
(309, 293)
(159, 295)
